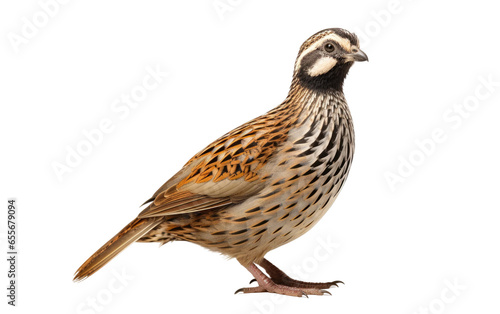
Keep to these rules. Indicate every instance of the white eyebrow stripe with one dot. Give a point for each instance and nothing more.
(343, 42)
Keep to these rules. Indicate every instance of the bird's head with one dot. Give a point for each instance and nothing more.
(325, 58)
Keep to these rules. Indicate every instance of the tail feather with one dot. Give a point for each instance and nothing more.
(136, 229)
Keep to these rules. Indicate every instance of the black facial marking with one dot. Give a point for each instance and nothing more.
(332, 80)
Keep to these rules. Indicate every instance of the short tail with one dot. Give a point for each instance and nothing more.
(128, 235)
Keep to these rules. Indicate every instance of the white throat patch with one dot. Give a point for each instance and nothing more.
(322, 65)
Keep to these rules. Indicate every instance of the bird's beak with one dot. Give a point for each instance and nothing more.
(357, 56)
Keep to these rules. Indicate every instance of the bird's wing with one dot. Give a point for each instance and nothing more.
(226, 172)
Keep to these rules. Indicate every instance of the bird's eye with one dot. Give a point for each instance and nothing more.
(329, 47)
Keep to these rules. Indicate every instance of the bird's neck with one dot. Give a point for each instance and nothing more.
(330, 82)
(306, 104)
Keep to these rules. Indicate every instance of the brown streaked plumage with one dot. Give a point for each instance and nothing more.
(264, 183)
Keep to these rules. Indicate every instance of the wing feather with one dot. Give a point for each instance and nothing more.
(226, 172)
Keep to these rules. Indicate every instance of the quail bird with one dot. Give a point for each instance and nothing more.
(266, 182)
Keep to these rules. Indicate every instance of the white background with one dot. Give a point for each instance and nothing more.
(397, 249)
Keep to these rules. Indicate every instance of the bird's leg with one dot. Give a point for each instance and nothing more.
(267, 285)
(279, 277)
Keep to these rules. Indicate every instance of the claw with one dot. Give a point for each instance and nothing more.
(252, 281)
(325, 292)
(239, 290)
(335, 283)
(304, 294)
